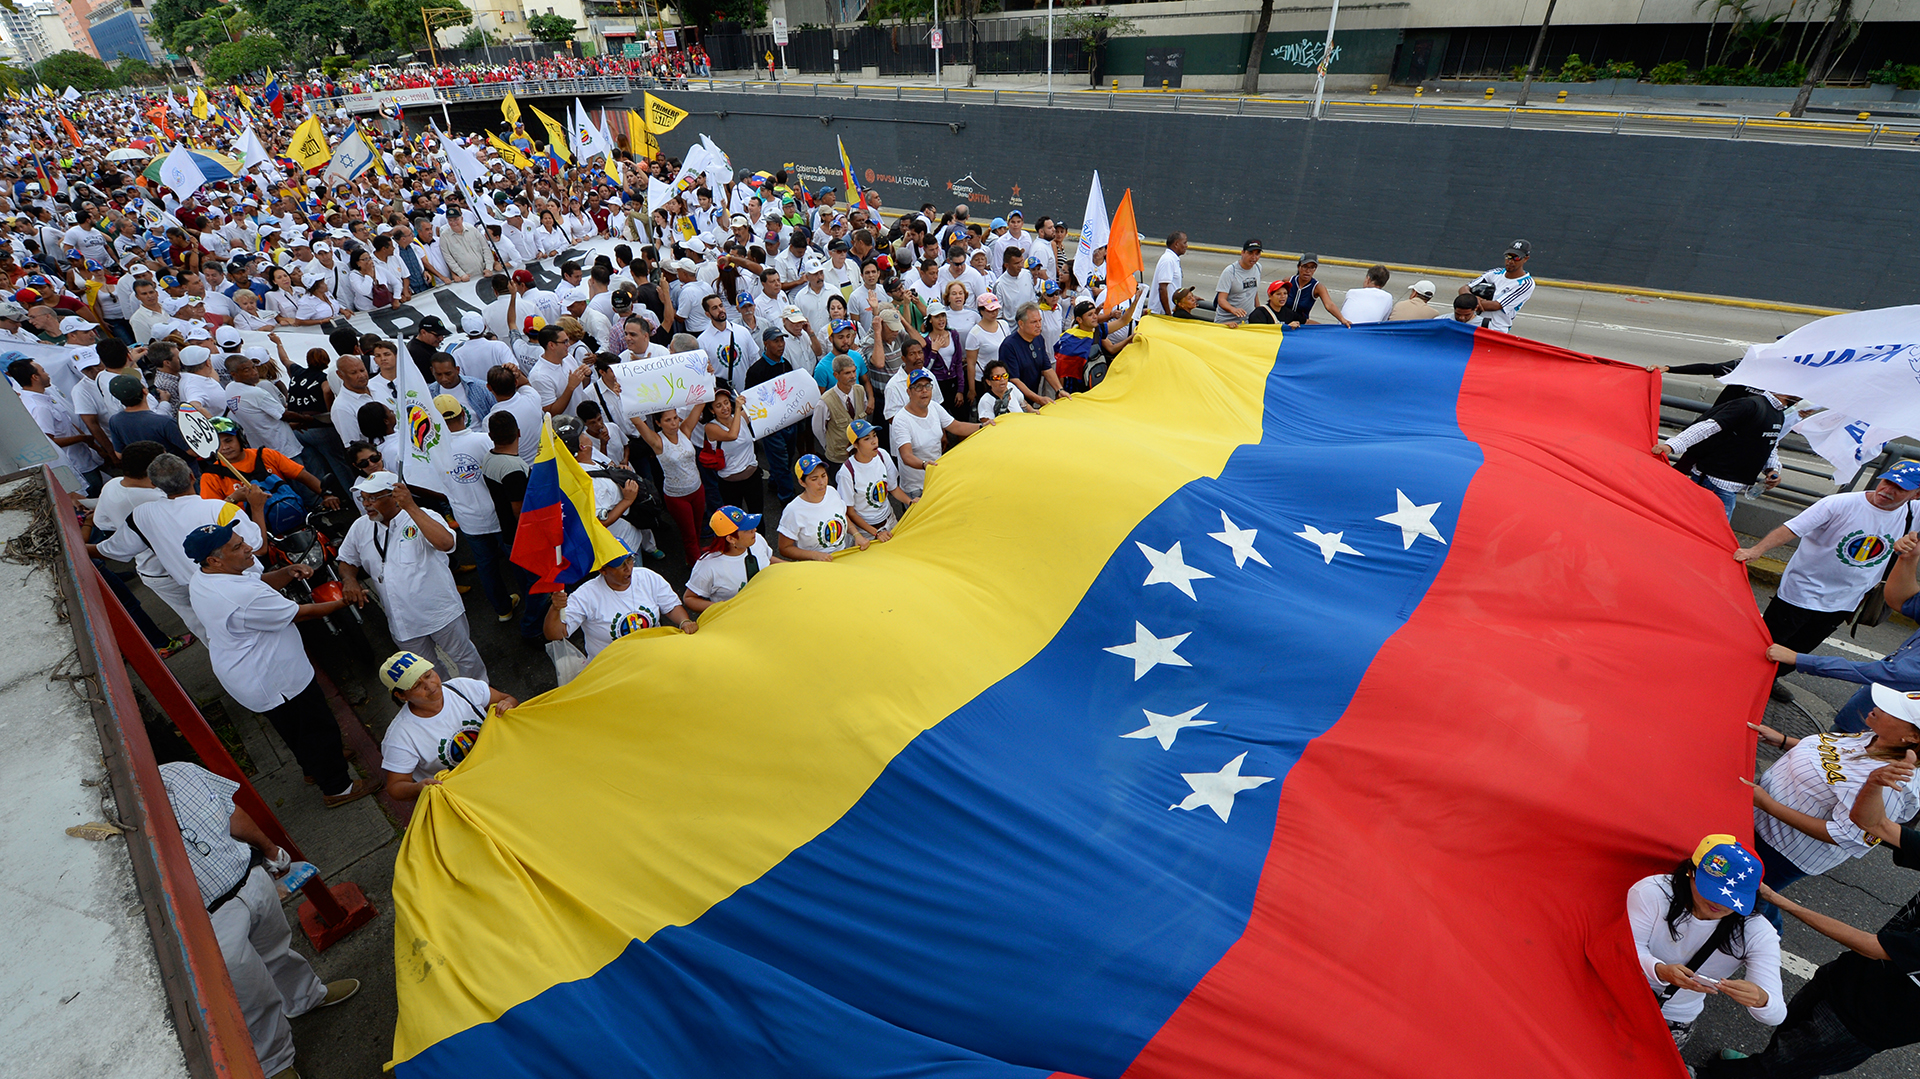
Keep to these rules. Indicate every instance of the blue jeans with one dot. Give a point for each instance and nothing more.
(777, 451)
(325, 457)
(1780, 872)
(1852, 717)
(489, 560)
(1725, 497)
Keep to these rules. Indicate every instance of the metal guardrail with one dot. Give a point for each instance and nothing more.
(1871, 133)
(1791, 443)
(495, 91)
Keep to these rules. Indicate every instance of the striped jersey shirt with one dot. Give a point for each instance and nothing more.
(1821, 777)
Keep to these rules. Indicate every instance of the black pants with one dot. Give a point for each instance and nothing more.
(1811, 1042)
(307, 726)
(1800, 629)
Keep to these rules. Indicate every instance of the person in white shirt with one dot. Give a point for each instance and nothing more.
(437, 725)
(1166, 275)
(557, 377)
(913, 357)
(1238, 291)
(1705, 909)
(730, 347)
(260, 405)
(52, 415)
(917, 429)
(464, 452)
(157, 529)
(404, 548)
(477, 353)
(517, 246)
(818, 524)
(811, 297)
(146, 293)
(258, 655)
(1500, 293)
(1015, 286)
(623, 598)
(118, 499)
(1372, 302)
(868, 481)
(719, 575)
(514, 396)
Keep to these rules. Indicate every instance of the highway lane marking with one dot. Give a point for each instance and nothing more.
(1648, 330)
(1849, 646)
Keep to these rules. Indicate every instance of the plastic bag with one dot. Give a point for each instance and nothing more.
(568, 661)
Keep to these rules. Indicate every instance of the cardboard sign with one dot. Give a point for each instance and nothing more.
(779, 403)
(662, 382)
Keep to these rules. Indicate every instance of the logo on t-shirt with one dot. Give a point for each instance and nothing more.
(1861, 549)
(632, 621)
(455, 749)
(875, 493)
(409, 532)
(464, 469)
(830, 532)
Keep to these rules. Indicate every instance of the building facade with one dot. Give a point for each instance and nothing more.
(122, 29)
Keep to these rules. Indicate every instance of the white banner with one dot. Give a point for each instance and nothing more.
(422, 95)
(1093, 232)
(1863, 364)
(1845, 442)
(779, 403)
(663, 382)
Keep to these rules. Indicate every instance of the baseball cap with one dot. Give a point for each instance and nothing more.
(839, 245)
(376, 483)
(806, 464)
(403, 670)
(1309, 257)
(1252, 245)
(1905, 475)
(573, 294)
(1727, 873)
(921, 375)
(686, 265)
(126, 389)
(12, 312)
(523, 277)
(730, 519)
(858, 430)
(203, 541)
(1521, 248)
(840, 325)
(226, 335)
(448, 404)
(472, 322)
(989, 302)
(773, 333)
(1276, 287)
(1896, 703)
(793, 314)
(937, 308)
(76, 324)
(999, 223)
(432, 324)
(1423, 288)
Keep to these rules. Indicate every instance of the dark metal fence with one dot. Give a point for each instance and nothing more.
(995, 47)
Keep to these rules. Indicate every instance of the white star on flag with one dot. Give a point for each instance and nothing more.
(1330, 543)
(1412, 521)
(1239, 541)
(1148, 651)
(1171, 568)
(1167, 728)
(1215, 790)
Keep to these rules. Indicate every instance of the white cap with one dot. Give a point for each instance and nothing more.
(936, 308)
(310, 279)
(573, 294)
(377, 482)
(811, 264)
(1897, 704)
(1423, 288)
(139, 268)
(257, 353)
(696, 245)
(793, 314)
(471, 322)
(686, 266)
(226, 335)
(194, 355)
(76, 324)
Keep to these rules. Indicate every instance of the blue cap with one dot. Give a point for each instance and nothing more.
(1727, 873)
(805, 465)
(730, 519)
(999, 223)
(170, 281)
(1905, 475)
(1049, 288)
(839, 325)
(202, 542)
(920, 375)
(858, 430)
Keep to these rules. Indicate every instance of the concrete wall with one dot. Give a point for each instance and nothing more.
(1811, 225)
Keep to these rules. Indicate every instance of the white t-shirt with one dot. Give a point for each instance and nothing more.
(817, 526)
(1167, 272)
(989, 406)
(896, 395)
(1845, 544)
(259, 409)
(608, 615)
(1759, 949)
(416, 584)
(1805, 779)
(464, 456)
(478, 355)
(424, 746)
(987, 343)
(864, 487)
(255, 648)
(164, 524)
(524, 407)
(549, 380)
(1368, 305)
(205, 392)
(117, 502)
(719, 576)
(924, 434)
(1510, 292)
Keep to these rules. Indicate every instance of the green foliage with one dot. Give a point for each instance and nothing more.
(332, 66)
(198, 38)
(1093, 27)
(12, 78)
(169, 14)
(312, 29)
(78, 70)
(134, 71)
(1620, 69)
(1670, 73)
(1902, 76)
(402, 19)
(551, 28)
(1573, 69)
(231, 61)
(476, 38)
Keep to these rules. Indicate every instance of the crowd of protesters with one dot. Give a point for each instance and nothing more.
(921, 330)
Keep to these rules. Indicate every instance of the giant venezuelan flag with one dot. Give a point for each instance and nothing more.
(1292, 708)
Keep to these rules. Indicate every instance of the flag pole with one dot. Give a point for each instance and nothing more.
(1326, 58)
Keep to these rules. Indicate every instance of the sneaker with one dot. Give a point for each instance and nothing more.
(1732, 1054)
(657, 555)
(339, 991)
(177, 645)
(513, 604)
(360, 789)
(1782, 692)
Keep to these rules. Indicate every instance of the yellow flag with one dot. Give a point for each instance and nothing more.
(507, 150)
(639, 139)
(556, 135)
(662, 117)
(510, 108)
(201, 107)
(308, 147)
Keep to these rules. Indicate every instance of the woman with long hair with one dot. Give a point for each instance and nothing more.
(1693, 927)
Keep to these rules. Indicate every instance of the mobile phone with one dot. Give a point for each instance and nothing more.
(1704, 980)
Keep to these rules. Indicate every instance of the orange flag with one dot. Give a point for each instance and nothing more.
(72, 133)
(1123, 255)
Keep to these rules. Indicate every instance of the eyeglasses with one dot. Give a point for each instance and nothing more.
(1511, 255)
(996, 378)
(367, 460)
(194, 841)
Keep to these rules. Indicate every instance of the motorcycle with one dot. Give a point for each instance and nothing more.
(315, 547)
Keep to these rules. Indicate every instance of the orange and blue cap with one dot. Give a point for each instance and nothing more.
(1727, 873)
(730, 519)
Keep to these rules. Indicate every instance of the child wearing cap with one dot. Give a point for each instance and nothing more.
(870, 481)
(437, 725)
(1693, 927)
(817, 524)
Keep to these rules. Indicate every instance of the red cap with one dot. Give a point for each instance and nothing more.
(524, 277)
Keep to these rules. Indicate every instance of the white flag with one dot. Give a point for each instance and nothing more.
(1865, 364)
(588, 142)
(658, 193)
(719, 167)
(351, 157)
(423, 434)
(70, 95)
(1093, 232)
(181, 172)
(1845, 442)
(251, 151)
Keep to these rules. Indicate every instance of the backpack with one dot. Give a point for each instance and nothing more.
(286, 511)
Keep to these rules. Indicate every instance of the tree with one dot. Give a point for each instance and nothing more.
(1093, 29)
(231, 61)
(197, 38)
(168, 14)
(76, 69)
(1817, 70)
(312, 29)
(551, 28)
(476, 38)
(402, 19)
(1250, 84)
(137, 72)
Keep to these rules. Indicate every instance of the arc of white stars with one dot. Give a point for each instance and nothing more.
(1167, 728)
(1239, 541)
(1412, 520)
(1215, 790)
(1148, 651)
(1170, 567)
(1330, 543)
